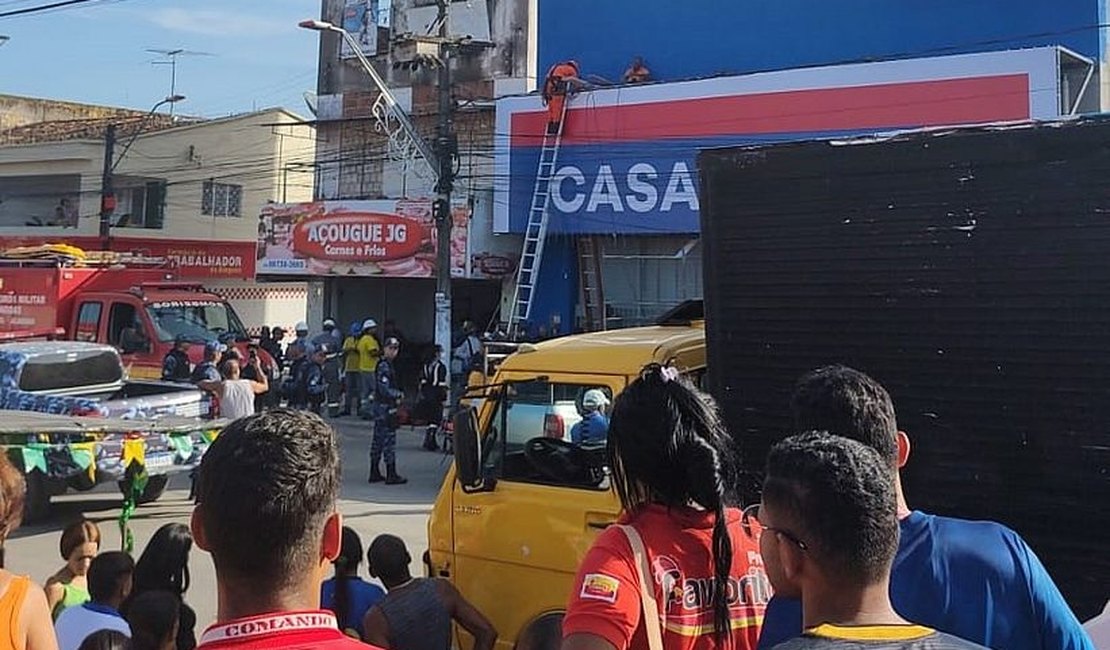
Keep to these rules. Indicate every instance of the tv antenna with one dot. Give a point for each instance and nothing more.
(171, 60)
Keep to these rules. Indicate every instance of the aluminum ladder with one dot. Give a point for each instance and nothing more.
(590, 283)
(535, 233)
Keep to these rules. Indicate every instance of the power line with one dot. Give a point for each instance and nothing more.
(40, 8)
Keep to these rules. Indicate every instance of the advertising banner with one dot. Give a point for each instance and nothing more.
(360, 20)
(627, 159)
(195, 259)
(383, 238)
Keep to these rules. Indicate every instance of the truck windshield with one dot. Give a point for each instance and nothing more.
(198, 320)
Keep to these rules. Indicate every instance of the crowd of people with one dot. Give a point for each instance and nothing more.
(833, 556)
(338, 375)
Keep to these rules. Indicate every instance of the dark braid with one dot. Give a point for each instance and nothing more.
(346, 564)
(667, 437)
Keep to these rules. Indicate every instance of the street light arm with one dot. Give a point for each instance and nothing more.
(172, 99)
(390, 101)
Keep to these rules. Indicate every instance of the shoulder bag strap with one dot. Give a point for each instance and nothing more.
(647, 593)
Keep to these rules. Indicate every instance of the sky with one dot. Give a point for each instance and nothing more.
(96, 53)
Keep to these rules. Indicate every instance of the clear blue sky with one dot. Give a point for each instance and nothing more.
(97, 53)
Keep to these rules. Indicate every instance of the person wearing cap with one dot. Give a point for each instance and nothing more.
(207, 370)
(331, 339)
(352, 370)
(175, 365)
(368, 352)
(387, 397)
(273, 345)
(593, 428)
(301, 331)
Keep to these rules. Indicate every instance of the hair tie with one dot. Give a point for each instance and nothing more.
(668, 373)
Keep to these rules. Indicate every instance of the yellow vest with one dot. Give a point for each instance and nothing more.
(350, 347)
(368, 353)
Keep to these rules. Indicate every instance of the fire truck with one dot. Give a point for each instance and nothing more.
(135, 304)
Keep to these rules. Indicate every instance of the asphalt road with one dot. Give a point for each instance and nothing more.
(370, 509)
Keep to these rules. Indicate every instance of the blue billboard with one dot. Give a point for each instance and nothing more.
(684, 40)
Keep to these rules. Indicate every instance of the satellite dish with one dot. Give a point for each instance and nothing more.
(312, 103)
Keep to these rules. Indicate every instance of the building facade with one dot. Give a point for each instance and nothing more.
(725, 73)
(187, 191)
(360, 171)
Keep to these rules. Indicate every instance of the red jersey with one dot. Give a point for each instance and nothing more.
(294, 630)
(678, 542)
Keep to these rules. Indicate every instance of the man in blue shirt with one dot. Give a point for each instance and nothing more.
(593, 428)
(977, 580)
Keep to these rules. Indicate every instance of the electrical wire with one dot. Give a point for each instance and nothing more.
(53, 7)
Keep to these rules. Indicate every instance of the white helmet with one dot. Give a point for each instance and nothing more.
(300, 327)
(368, 324)
(594, 399)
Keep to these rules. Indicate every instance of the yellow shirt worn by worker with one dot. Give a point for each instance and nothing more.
(368, 353)
(352, 362)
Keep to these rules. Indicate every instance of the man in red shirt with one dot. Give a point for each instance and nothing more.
(266, 494)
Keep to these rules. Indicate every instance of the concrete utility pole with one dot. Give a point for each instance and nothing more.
(445, 151)
(107, 193)
(107, 189)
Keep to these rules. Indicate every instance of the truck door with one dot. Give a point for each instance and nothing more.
(128, 333)
(521, 541)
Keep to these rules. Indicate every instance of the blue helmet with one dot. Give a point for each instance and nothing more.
(356, 328)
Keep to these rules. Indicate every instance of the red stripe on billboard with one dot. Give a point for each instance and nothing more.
(897, 105)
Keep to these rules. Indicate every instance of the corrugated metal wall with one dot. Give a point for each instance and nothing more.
(970, 274)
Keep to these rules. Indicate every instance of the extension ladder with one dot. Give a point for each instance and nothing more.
(535, 233)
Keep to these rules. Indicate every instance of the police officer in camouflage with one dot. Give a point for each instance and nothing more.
(175, 365)
(315, 378)
(387, 397)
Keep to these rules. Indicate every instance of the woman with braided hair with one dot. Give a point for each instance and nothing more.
(348, 595)
(678, 571)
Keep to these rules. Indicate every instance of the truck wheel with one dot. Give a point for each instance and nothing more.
(36, 506)
(544, 633)
(155, 486)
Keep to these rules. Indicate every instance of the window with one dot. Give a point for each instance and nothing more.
(531, 433)
(197, 320)
(125, 329)
(141, 206)
(88, 321)
(221, 199)
(70, 369)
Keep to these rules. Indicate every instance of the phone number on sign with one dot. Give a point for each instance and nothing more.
(283, 265)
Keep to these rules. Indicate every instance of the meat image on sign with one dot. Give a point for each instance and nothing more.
(388, 238)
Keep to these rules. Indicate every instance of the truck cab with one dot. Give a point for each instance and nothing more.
(130, 302)
(143, 322)
(522, 504)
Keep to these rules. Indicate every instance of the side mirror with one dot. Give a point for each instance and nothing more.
(468, 449)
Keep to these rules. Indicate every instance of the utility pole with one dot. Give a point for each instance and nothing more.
(445, 152)
(107, 193)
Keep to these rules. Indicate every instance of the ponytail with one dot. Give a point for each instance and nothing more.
(341, 605)
(667, 444)
(346, 564)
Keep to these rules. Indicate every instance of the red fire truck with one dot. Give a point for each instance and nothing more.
(134, 304)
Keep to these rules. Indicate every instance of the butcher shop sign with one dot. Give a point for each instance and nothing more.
(388, 238)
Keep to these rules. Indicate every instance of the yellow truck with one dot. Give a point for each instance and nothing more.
(521, 505)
